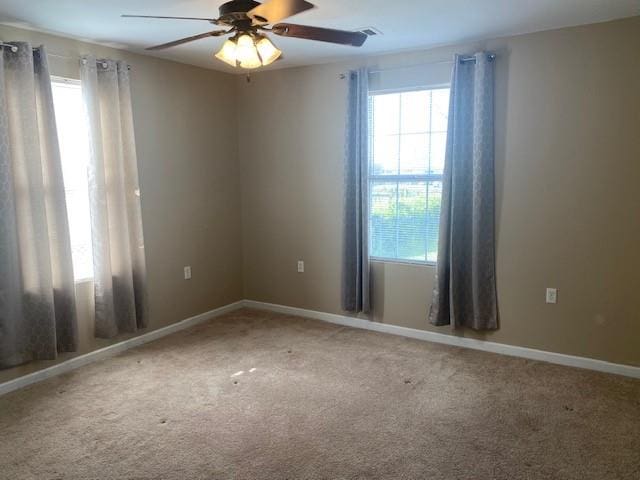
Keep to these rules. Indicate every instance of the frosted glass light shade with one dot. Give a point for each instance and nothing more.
(268, 51)
(246, 52)
(228, 53)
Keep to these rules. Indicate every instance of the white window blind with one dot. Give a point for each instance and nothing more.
(74, 150)
(408, 135)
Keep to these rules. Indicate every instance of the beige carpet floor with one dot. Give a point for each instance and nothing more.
(255, 395)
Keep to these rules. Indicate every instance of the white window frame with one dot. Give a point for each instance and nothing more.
(371, 179)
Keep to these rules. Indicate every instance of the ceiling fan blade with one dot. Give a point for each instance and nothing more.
(175, 43)
(342, 37)
(273, 11)
(210, 20)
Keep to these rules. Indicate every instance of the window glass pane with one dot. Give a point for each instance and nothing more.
(386, 114)
(74, 152)
(412, 216)
(437, 151)
(80, 232)
(414, 154)
(440, 110)
(385, 155)
(73, 144)
(414, 109)
(382, 225)
(405, 212)
(434, 198)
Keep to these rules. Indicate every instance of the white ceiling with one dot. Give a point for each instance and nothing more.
(406, 24)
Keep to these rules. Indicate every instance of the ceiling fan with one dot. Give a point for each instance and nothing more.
(247, 19)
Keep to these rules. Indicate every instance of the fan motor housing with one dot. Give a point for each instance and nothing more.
(236, 10)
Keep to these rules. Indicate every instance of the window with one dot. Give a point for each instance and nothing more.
(408, 135)
(74, 151)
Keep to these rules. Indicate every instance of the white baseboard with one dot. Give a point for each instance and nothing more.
(114, 349)
(493, 347)
(511, 350)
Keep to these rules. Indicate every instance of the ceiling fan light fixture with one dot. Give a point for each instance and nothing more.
(269, 53)
(248, 50)
(228, 53)
(245, 19)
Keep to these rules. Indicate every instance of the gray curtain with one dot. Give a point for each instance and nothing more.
(465, 290)
(114, 196)
(37, 299)
(356, 280)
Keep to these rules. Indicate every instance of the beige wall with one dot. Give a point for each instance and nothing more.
(185, 125)
(568, 201)
(568, 170)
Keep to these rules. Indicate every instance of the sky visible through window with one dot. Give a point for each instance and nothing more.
(74, 151)
(407, 148)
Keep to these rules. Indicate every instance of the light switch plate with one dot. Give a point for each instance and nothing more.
(187, 273)
(300, 266)
(552, 295)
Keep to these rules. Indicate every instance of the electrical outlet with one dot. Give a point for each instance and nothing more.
(552, 295)
(300, 266)
(187, 273)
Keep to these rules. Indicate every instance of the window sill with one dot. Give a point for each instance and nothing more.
(81, 281)
(418, 263)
